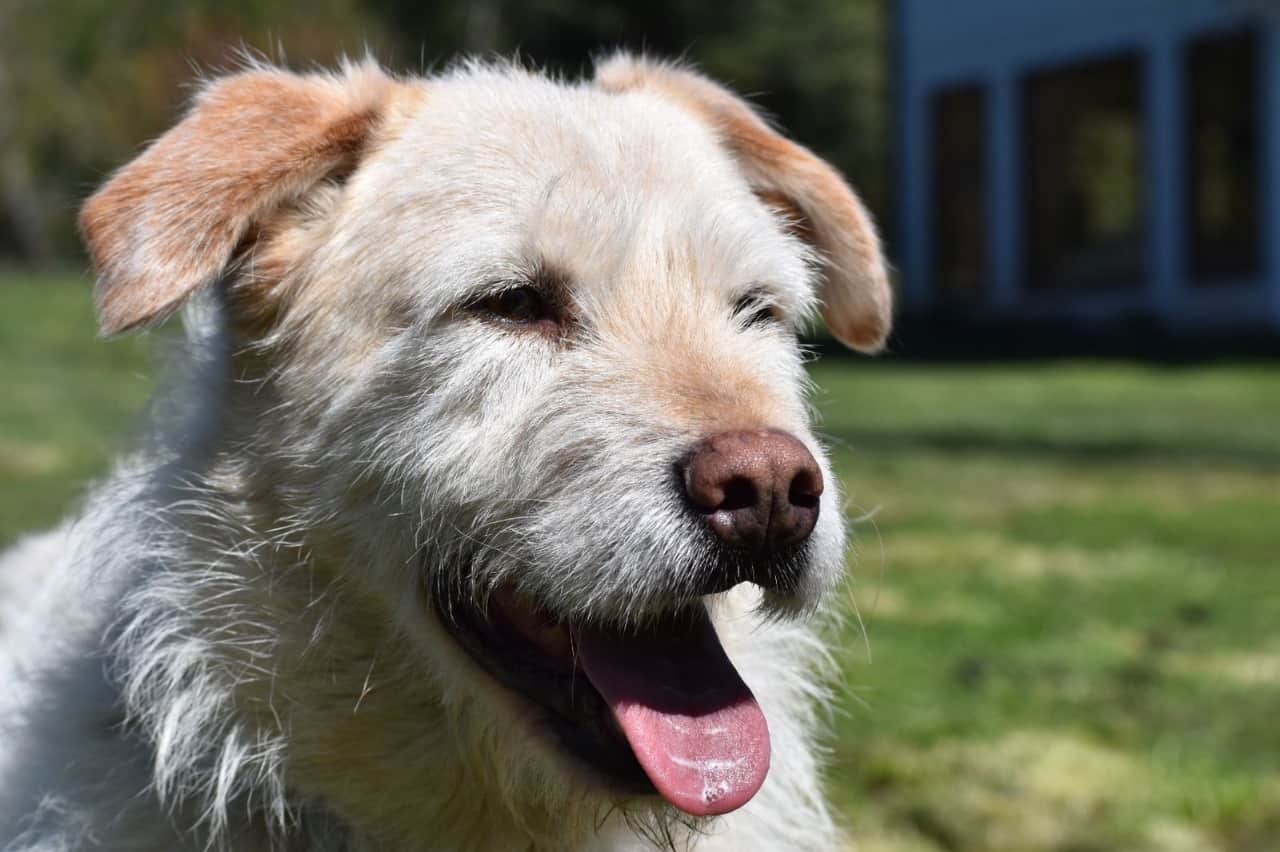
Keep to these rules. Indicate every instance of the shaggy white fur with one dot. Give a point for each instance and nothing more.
(232, 645)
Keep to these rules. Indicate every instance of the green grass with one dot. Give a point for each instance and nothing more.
(1070, 593)
(69, 399)
(1067, 576)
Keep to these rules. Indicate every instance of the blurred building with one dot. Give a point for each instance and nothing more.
(1090, 159)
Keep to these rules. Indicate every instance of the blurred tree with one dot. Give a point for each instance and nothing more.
(85, 82)
(817, 66)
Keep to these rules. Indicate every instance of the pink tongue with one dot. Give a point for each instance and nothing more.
(693, 724)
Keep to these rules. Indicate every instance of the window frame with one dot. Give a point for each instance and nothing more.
(1203, 270)
(1133, 60)
(947, 285)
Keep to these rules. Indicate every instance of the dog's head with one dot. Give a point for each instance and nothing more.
(526, 353)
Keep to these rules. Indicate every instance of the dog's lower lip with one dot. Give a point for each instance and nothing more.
(530, 652)
(654, 708)
(538, 627)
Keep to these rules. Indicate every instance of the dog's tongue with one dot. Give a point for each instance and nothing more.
(693, 724)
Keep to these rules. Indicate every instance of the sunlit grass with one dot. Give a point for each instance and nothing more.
(1068, 580)
(1071, 598)
(68, 398)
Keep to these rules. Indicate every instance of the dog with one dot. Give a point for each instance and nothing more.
(485, 512)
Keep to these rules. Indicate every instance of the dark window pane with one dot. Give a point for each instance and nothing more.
(1222, 153)
(960, 193)
(1083, 137)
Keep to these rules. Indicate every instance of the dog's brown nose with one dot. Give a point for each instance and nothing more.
(758, 490)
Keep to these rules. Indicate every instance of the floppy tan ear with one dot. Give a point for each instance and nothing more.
(857, 301)
(169, 223)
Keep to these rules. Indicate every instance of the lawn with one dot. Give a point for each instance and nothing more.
(69, 399)
(1070, 591)
(1066, 572)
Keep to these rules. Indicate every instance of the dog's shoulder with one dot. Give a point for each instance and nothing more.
(66, 773)
(28, 570)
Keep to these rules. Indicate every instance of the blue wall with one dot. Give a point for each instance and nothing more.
(997, 42)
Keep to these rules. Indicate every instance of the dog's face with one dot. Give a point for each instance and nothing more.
(530, 360)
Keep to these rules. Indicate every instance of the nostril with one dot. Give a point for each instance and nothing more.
(805, 490)
(739, 493)
(804, 500)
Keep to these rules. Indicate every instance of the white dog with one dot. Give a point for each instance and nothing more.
(487, 516)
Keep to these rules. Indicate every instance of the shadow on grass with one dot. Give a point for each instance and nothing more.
(980, 339)
(1063, 449)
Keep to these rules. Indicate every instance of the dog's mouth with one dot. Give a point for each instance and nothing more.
(653, 709)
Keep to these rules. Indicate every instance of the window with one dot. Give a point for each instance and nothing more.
(1083, 155)
(960, 193)
(1221, 84)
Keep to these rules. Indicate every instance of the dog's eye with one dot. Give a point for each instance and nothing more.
(522, 305)
(752, 311)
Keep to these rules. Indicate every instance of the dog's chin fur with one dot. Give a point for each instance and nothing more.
(234, 647)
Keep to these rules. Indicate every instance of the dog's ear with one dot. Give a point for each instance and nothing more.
(857, 301)
(171, 221)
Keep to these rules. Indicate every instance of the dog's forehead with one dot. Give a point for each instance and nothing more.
(503, 167)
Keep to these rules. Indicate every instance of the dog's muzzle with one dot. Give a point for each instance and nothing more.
(657, 705)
